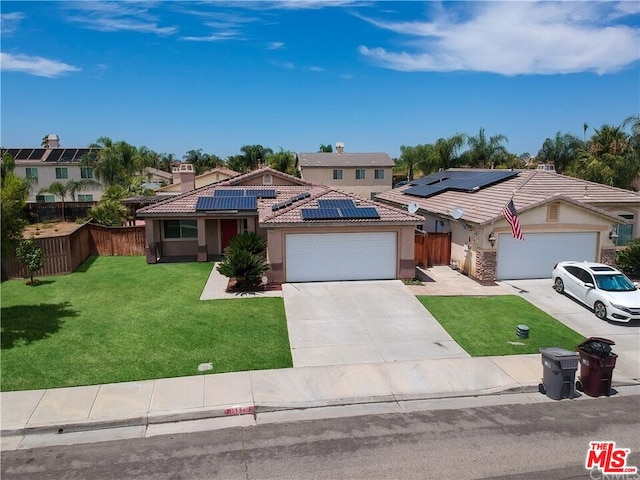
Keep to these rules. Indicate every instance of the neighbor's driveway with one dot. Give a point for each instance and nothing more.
(338, 323)
(540, 293)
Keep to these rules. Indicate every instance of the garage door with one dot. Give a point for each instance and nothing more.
(340, 256)
(539, 252)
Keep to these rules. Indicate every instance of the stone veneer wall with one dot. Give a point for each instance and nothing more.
(486, 265)
(608, 256)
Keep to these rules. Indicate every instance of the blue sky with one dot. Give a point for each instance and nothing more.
(176, 76)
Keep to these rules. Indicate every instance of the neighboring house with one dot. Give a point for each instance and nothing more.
(363, 174)
(313, 232)
(53, 164)
(562, 218)
(156, 178)
(185, 171)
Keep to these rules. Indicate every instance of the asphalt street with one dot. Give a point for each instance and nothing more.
(540, 440)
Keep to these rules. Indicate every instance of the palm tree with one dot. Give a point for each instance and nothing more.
(413, 159)
(483, 152)
(283, 161)
(325, 148)
(115, 161)
(255, 155)
(445, 151)
(70, 188)
(561, 150)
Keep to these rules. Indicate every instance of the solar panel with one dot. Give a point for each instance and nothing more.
(226, 203)
(23, 154)
(37, 154)
(336, 203)
(228, 193)
(81, 153)
(55, 155)
(320, 213)
(281, 205)
(361, 212)
(463, 180)
(68, 154)
(261, 192)
(301, 196)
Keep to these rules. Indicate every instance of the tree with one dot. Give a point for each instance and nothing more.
(446, 151)
(483, 152)
(13, 198)
(202, 161)
(29, 253)
(244, 260)
(628, 260)
(110, 213)
(283, 161)
(116, 162)
(413, 159)
(561, 150)
(70, 188)
(254, 155)
(325, 148)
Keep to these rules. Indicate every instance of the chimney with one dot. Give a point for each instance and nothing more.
(52, 141)
(340, 148)
(185, 176)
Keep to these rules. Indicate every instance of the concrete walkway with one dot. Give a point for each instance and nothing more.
(216, 286)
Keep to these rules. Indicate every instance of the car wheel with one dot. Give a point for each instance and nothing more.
(559, 285)
(600, 310)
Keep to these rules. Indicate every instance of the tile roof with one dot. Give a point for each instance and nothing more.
(307, 160)
(530, 188)
(292, 214)
(185, 204)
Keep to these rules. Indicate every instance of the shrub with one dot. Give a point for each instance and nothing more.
(249, 242)
(247, 268)
(628, 260)
(110, 213)
(31, 256)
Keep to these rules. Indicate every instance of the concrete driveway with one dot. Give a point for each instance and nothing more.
(540, 293)
(340, 323)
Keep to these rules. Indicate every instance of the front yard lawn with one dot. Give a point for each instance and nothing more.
(486, 326)
(118, 319)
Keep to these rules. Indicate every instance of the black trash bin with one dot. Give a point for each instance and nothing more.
(558, 373)
(597, 362)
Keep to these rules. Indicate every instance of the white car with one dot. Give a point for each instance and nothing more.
(606, 290)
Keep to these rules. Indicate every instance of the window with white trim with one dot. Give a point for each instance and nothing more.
(45, 198)
(359, 173)
(379, 173)
(180, 229)
(337, 174)
(85, 197)
(31, 173)
(625, 230)
(86, 172)
(62, 172)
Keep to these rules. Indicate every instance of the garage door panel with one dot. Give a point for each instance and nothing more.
(539, 252)
(340, 256)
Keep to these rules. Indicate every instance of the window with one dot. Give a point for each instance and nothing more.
(174, 229)
(553, 212)
(337, 174)
(625, 231)
(378, 174)
(85, 197)
(61, 172)
(360, 174)
(32, 173)
(267, 180)
(45, 198)
(86, 172)
(245, 225)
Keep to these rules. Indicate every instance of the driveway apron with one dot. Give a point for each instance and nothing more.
(340, 323)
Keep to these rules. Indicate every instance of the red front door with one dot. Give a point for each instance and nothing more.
(228, 230)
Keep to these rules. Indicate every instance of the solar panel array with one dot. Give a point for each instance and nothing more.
(290, 201)
(464, 181)
(54, 155)
(226, 203)
(338, 209)
(254, 192)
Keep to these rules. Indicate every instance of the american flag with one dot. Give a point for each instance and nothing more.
(511, 216)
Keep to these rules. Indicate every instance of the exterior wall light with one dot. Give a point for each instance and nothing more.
(492, 239)
(613, 235)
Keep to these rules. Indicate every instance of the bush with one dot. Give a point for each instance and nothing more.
(110, 213)
(628, 260)
(246, 267)
(31, 256)
(249, 242)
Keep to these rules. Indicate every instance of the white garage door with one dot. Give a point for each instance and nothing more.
(340, 256)
(539, 252)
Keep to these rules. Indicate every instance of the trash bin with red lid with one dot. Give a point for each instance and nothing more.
(597, 362)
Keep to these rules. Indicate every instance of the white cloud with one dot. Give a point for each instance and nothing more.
(274, 45)
(38, 66)
(513, 38)
(118, 16)
(316, 69)
(9, 22)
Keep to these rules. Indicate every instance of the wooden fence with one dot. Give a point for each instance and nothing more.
(432, 248)
(65, 253)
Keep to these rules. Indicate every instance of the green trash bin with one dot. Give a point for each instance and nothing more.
(558, 372)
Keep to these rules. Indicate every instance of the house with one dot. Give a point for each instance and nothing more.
(363, 174)
(185, 172)
(562, 218)
(313, 232)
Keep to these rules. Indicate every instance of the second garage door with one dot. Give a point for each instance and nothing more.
(539, 252)
(340, 256)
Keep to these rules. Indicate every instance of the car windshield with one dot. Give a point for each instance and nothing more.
(614, 283)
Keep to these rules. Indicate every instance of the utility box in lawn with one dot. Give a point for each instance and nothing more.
(597, 362)
(558, 372)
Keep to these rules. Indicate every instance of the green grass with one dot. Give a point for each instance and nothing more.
(118, 319)
(484, 326)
